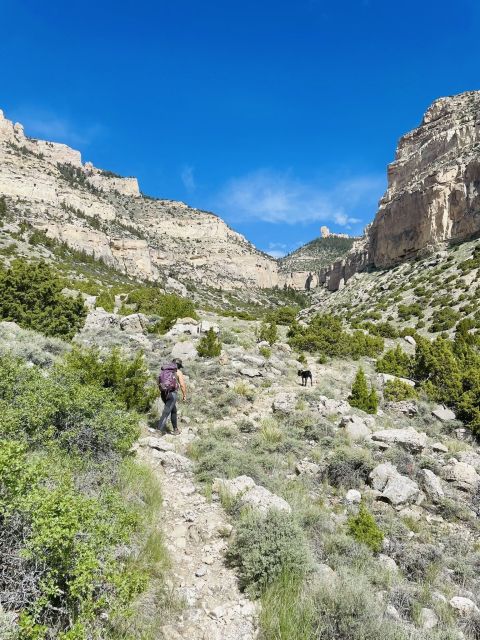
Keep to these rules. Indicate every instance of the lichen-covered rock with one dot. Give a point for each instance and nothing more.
(134, 323)
(408, 438)
(393, 487)
(432, 485)
(284, 402)
(462, 475)
(355, 428)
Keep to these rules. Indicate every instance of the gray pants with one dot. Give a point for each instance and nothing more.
(169, 399)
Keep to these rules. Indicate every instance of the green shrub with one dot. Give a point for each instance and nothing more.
(325, 334)
(3, 208)
(398, 390)
(209, 346)
(396, 362)
(30, 295)
(364, 529)
(283, 315)
(444, 319)
(266, 545)
(361, 397)
(349, 467)
(268, 332)
(383, 329)
(405, 312)
(266, 352)
(169, 307)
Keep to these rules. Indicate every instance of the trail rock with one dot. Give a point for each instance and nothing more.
(355, 428)
(184, 351)
(409, 438)
(245, 489)
(284, 402)
(462, 475)
(156, 443)
(432, 485)
(427, 619)
(463, 606)
(443, 414)
(134, 323)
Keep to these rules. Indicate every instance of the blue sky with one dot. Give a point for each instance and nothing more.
(279, 116)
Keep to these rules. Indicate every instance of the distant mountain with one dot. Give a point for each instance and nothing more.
(317, 254)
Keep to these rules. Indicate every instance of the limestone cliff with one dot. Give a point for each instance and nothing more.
(47, 186)
(433, 193)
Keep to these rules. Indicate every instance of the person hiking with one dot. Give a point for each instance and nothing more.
(169, 380)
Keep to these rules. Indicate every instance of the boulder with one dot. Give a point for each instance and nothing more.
(206, 325)
(463, 606)
(443, 414)
(408, 438)
(406, 407)
(284, 402)
(250, 372)
(471, 458)
(411, 340)
(100, 319)
(307, 468)
(400, 489)
(134, 323)
(174, 286)
(432, 485)
(353, 496)
(388, 563)
(427, 619)
(249, 494)
(439, 447)
(462, 475)
(328, 406)
(387, 377)
(258, 361)
(380, 475)
(156, 443)
(184, 350)
(355, 428)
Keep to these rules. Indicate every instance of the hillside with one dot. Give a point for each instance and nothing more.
(317, 254)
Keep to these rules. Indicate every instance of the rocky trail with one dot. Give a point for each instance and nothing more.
(196, 534)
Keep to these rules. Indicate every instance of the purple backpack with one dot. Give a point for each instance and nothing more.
(167, 380)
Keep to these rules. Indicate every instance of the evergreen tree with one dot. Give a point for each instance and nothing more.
(209, 346)
(361, 397)
(268, 332)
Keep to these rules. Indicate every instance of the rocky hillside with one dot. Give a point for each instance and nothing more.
(316, 255)
(433, 191)
(46, 187)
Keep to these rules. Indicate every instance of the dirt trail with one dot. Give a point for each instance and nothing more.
(196, 534)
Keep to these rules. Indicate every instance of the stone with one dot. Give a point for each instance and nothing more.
(408, 438)
(307, 468)
(251, 372)
(387, 377)
(328, 406)
(432, 485)
(463, 606)
(134, 323)
(184, 351)
(427, 619)
(172, 460)
(381, 474)
(206, 325)
(443, 414)
(439, 447)
(406, 407)
(100, 319)
(400, 489)
(250, 494)
(156, 443)
(462, 475)
(353, 496)
(387, 563)
(184, 326)
(410, 340)
(471, 458)
(284, 403)
(392, 613)
(325, 574)
(200, 572)
(258, 361)
(355, 428)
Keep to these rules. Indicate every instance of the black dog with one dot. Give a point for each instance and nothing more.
(305, 374)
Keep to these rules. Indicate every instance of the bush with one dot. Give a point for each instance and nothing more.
(364, 529)
(398, 390)
(361, 397)
(209, 346)
(268, 332)
(325, 334)
(30, 295)
(168, 306)
(266, 545)
(283, 315)
(349, 467)
(396, 362)
(444, 319)
(266, 352)
(405, 312)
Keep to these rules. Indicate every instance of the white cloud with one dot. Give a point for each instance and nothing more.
(282, 198)
(50, 126)
(277, 249)
(188, 178)
(276, 253)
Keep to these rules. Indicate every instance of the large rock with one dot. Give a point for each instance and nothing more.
(462, 475)
(244, 489)
(408, 438)
(184, 350)
(387, 377)
(100, 319)
(329, 406)
(394, 487)
(184, 326)
(284, 402)
(355, 428)
(471, 458)
(381, 474)
(443, 414)
(134, 323)
(432, 485)
(464, 606)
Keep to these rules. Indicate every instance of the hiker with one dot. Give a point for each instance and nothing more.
(169, 380)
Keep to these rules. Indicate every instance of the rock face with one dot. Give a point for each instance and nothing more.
(433, 192)
(102, 214)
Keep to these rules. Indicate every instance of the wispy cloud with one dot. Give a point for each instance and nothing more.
(277, 249)
(282, 198)
(188, 178)
(51, 126)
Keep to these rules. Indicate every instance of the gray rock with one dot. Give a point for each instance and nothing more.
(381, 474)
(406, 407)
(443, 414)
(248, 493)
(251, 372)
(307, 468)
(427, 619)
(174, 286)
(184, 326)
(258, 361)
(387, 563)
(387, 377)
(463, 606)
(100, 319)
(134, 323)
(438, 446)
(205, 326)
(411, 340)
(355, 428)
(353, 496)
(325, 574)
(471, 458)
(462, 475)
(432, 485)
(408, 438)
(172, 460)
(327, 406)
(184, 350)
(400, 489)
(284, 403)
(156, 443)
